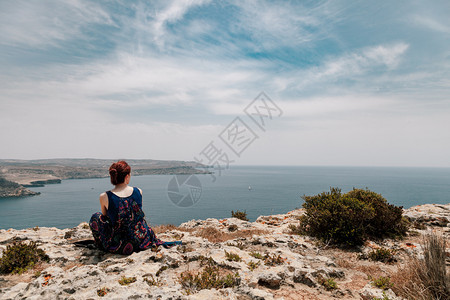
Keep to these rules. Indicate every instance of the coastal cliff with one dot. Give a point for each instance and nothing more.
(37, 173)
(13, 189)
(260, 260)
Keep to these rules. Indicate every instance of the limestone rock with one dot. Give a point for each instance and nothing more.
(272, 264)
(369, 292)
(270, 280)
(305, 276)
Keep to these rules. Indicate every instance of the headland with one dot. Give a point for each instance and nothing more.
(18, 175)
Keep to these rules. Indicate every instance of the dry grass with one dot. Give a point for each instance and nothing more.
(407, 284)
(425, 278)
(70, 265)
(345, 263)
(13, 279)
(210, 276)
(167, 227)
(372, 270)
(216, 236)
(163, 228)
(368, 268)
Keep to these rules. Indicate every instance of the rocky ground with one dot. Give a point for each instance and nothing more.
(262, 258)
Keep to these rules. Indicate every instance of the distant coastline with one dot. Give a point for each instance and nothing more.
(19, 175)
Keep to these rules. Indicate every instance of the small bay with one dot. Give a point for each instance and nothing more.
(259, 190)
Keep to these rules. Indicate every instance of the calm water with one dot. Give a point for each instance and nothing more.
(274, 190)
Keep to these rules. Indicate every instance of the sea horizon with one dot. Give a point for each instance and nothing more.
(274, 190)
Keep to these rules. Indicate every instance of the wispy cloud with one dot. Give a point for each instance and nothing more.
(363, 61)
(431, 23)
(335, 72)
(166, 72)
(45, 23)
(174, 11)
(274, 25)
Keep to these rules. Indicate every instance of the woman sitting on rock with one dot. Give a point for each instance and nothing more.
(121, 227)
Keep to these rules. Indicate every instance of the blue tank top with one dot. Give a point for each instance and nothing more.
(114, 202)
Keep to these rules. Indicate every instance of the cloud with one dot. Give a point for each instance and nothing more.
(173, 12)
(152, 21)
(46, 23)
(335, 106)
(171, 74)
(431, 23)
(134, 80)
(339, 73)
(363, 61)
(277, 25)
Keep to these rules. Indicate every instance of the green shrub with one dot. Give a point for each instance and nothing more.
(20, 257)
(382, 282)
(382, 254)
(152, 281)
(335, 218)
(241, 215)
(351, 218)
(253, 265)
(328, 283)
(387, 221)
(8, 184)
(212, 276)
(257, 255)
(232, 256)
(126, 280)
(162, 269)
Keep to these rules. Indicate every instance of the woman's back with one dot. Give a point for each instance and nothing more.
(124, 209)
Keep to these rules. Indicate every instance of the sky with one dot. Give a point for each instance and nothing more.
(354, 83)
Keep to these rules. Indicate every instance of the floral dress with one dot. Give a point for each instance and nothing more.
(124, 229)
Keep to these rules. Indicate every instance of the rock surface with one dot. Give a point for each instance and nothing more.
(270, 262)
(13, 189)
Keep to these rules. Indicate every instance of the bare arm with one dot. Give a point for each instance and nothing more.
(104, 203)
(142, 203)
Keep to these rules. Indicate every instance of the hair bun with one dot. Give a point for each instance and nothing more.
(118, 171)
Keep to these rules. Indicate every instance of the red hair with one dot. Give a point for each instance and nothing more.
(118, 171)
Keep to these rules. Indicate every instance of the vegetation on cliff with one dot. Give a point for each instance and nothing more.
(426, 277)
(350, 218)
(12, 189)
(20, 257)
(258, 260)
(6, 184)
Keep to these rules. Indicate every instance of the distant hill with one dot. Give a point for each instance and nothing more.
(29, 173)
(93, 162)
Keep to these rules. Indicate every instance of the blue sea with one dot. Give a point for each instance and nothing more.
(258, 190)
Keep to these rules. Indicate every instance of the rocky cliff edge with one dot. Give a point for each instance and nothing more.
(262, 258)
